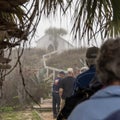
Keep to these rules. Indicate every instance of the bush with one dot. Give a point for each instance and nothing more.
(70, 58)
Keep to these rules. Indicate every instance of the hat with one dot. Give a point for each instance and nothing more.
(70, 70)
(92, 52)
(62, 72)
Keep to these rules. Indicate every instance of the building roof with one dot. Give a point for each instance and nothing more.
(57, 36)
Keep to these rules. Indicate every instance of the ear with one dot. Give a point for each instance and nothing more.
(87, 63)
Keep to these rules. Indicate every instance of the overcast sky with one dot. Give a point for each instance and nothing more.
(59, 22)
(55, 21)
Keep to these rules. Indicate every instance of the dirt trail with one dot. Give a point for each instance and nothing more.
(27, 115)
(47, 115)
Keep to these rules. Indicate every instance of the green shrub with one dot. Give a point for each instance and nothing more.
(6, 109)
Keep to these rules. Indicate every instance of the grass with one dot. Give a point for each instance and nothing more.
(6, 109)
(70, 58)
(19, 115)
(35, 116)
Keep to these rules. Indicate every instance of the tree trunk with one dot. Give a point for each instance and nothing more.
(21, 94)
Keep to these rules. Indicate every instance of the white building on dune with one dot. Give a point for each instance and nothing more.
(51, 43)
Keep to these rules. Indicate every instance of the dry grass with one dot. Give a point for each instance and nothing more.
(67, 59)
(20, 115)
(32, 58)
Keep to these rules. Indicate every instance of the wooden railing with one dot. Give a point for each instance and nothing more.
(54, 70)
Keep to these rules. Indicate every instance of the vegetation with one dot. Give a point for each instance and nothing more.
(90, 17)
(18, 22)
(19, 19)
(6, 109)
(20, 115)
(54, 33)
(34, 76)
(14, 89)
(70, 58)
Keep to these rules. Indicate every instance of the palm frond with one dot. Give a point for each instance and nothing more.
(90, 17)
(50, 6)
(18, 20)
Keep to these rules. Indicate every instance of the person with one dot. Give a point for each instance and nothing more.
(55, 94)
(82, 90)
(83, 79)
(66, 86)
(114, 116)
(107, 100)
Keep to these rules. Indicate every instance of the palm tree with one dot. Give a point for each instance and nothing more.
(91, 17)
(55, 32)
(18, 21)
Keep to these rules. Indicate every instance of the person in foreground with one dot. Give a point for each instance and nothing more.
(114, 116)
(81, 90)
(107, 100)
(84, 79)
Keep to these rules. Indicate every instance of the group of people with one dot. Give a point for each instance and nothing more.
(103, 74)
(62, 88)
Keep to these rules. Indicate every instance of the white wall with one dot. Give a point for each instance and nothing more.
(45, 41)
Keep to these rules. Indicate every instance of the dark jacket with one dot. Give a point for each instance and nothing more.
(56, 85)
(82, 81)
(99, 106)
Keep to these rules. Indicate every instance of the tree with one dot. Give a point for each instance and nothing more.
(18, 21)
(55, 32)
(91, 17)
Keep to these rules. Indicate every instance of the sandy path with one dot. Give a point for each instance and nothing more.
(46, 115)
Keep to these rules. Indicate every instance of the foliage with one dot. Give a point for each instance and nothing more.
(43, 85)
(20, 115)
(17, 19)
(31, 58)
(90, 17)
(35, 116)
(56, 31)
(13, 88)
(70, 58)
(18, 22)
(6, 109)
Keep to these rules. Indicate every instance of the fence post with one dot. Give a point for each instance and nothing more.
(53, 74)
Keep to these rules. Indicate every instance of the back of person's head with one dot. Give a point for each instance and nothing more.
(108, 61)
(114, 116)
(62, 74)
(91, 55)
(70, 71)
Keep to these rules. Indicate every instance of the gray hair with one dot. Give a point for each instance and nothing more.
(108, 61)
